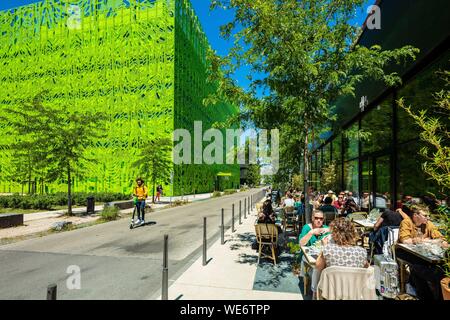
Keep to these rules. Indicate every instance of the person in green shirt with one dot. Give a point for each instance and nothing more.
(314, 231)
(311, 233)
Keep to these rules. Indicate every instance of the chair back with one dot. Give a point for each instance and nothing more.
(388, 246)
(266, 233)
(347, 283)
(289, 209)
(259, 207)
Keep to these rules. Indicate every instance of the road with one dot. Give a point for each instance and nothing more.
(115, 262)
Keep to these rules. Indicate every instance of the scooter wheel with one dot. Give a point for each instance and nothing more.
(131, 226)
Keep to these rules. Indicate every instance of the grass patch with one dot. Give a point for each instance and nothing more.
(216, 194)
(178, 203)
(110, 213)
(229, 191)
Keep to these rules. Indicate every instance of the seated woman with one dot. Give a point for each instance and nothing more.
(425, 277)
(342, 251)
(267, 215)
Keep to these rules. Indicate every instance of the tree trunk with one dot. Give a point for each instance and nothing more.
(153, 190)
(306, 178)
(69, 191)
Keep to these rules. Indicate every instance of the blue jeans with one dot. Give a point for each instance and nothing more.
(140, 207)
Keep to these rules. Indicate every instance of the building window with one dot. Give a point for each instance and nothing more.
(351, 177)
(378, 124)
(351, 144)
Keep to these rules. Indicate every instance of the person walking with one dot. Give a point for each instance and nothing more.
(140, 192)
(159, 190)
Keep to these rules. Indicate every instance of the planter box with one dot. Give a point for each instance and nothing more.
(445, 288)
(8, 220)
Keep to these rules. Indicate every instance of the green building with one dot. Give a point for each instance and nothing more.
(140, 62)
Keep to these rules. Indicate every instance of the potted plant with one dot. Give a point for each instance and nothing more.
(294, 248)
(443, 216)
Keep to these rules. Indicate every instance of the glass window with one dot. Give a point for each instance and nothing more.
(337, 148)
(326, 153)
(351, 144)
(378, 124)
(383, 182)
(418, 94)
(412, 180)
(351, 182)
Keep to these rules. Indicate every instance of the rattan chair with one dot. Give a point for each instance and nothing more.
(289, 220)
(267, 236)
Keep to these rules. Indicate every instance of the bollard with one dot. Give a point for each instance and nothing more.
(245, 208)
(248, 207)
(222, 231)
(240, 207)
(165, 275)
(232, 218)
(51, 292)
(204, 241)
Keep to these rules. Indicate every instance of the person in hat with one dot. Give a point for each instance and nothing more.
(331, 195)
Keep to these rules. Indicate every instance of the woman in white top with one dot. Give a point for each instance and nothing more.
(289, 201)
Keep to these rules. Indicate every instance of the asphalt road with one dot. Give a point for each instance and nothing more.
(114, 261)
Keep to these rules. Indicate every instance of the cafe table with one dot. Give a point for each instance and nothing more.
(421, 251)
(365, 223)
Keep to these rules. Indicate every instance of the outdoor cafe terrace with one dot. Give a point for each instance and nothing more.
(349, 250)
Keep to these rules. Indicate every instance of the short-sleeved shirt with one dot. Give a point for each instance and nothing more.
(306, 228)
(344, 256)
(391, 218)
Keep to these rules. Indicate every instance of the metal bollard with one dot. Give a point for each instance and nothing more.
(51, 292)
(222, 231)
(245, 208)
(232, 218)
(240, 209)
(165, 275)
(204, 241)
(248, 207)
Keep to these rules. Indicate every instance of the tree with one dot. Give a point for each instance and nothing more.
(304, 56)
(155, 161)
(254, 175)
(56, 138)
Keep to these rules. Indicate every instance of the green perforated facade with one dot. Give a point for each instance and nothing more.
(141, 62)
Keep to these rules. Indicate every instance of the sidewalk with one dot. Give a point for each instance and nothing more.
(231, 273)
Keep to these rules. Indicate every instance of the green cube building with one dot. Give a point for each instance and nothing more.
(140, 62)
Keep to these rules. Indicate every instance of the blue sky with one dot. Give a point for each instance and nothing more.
(211, 21)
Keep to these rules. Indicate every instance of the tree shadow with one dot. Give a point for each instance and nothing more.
(242, 240)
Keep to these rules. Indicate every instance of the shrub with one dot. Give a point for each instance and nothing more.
(110, 213)
(229, 191)
(216, 194)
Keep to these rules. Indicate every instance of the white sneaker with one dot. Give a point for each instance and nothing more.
(137, 222)
(142, 222)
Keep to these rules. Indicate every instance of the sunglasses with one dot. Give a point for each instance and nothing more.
(317, 218)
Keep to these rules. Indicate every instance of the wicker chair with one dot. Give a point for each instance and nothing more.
(267, 236)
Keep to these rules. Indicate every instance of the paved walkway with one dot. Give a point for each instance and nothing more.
(43, 221)
(229, 275)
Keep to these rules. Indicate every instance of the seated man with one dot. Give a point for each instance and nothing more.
(311, 233)
(327, 205)
(379, 234)
(425, 277)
